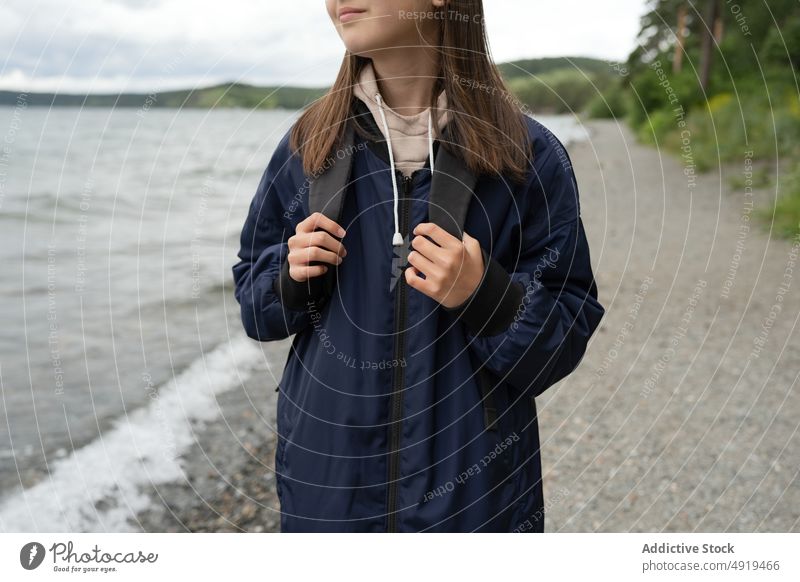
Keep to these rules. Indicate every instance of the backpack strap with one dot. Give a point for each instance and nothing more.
(326, 195)
(452, 186)
(327, 191)
(452, 190)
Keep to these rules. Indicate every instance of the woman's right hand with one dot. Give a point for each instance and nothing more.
(309, 245)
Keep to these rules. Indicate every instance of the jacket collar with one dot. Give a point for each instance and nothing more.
(452, 186)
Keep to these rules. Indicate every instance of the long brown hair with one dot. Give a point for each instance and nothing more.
(486, 126)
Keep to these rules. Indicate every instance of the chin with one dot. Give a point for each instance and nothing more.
(363, 37)
(358, 46)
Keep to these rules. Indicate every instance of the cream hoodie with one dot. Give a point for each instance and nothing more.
(409, 133)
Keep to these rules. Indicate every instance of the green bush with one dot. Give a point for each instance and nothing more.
(782, 46)
(725, 128)
(611, 103)
(656, 128)
(561, 91)
(786, 222)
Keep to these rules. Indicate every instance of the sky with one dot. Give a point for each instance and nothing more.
(97, 46)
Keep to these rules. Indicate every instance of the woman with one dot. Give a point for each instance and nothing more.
(422, 239)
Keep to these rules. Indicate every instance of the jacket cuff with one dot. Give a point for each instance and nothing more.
(296, 295)
(494, 304)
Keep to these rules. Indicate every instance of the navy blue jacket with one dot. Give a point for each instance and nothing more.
(394, 412)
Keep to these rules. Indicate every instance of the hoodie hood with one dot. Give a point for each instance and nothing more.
(409, 138)
(401, 125)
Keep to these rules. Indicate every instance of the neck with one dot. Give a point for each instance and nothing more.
(406, 77)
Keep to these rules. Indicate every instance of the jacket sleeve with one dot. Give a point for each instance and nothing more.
(273, 305)
(531, 323)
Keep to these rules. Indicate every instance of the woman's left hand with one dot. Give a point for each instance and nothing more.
(453, 268)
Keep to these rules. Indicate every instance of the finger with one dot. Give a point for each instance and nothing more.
(422, 263)
(439, 235)
(414, 279)
(320, 238)
(472, 245)
(319, 220)
(308, 254)
(301, 273)
(428, 249)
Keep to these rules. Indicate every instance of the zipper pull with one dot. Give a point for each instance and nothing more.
(407, 184)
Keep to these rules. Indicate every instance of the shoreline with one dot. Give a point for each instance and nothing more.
(230, 485)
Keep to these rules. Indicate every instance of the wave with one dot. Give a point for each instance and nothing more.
(99, 486)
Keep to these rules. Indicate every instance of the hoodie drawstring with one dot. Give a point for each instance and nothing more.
(397, 239)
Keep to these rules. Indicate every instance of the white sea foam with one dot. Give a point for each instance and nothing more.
(141, 448)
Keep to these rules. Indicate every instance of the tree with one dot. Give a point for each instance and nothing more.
(709, 41)
(680, 39)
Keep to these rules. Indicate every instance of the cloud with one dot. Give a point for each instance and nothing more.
(129, 45)
(523, 29)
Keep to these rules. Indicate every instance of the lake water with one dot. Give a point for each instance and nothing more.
(119, 228)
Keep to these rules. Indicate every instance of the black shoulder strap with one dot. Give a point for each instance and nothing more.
(452, 186)
(326, 194)
(452, 189)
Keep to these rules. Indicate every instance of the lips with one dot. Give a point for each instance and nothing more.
(347, 13)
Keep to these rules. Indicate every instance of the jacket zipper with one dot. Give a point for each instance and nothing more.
(396, 400)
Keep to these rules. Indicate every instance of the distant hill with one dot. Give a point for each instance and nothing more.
(225, 95)
(526, 68)
(552, 72)
(558, 84)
